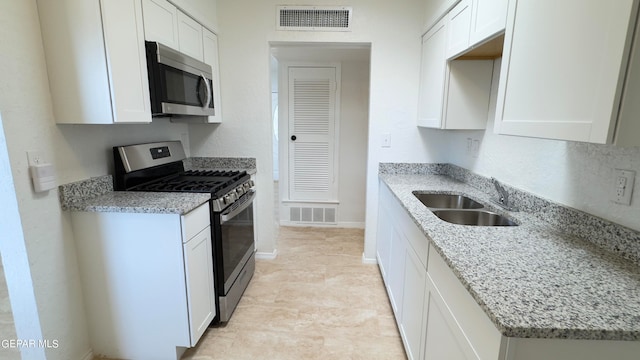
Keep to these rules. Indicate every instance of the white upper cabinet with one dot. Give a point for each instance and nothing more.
(488, 19)
(204, 11)
(160, 22)
(453, 94)
(190, 35)
(96, 61)
(432, 76)
(563, 70)
(458, 28)
(210, 47)
(435, 10)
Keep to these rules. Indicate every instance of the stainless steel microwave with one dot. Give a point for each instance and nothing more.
(179, 84)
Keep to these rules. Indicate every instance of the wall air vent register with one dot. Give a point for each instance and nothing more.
(314, 18)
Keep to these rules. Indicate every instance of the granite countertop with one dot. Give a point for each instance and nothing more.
(533, 280)
(96, 194)
(142, 202)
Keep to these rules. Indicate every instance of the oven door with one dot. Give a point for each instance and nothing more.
(236, 238)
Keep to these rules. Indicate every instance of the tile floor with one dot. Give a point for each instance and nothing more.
(315, 301)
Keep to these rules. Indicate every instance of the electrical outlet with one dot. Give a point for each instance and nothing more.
(469, 145)
(623, 186)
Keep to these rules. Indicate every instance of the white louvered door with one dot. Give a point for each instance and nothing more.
(312, 117)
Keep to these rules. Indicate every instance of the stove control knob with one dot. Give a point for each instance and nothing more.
(227, 199)
(251, 183)
(240, 190)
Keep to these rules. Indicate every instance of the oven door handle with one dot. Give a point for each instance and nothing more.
(230, 214)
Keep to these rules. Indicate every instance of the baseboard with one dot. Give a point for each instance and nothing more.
(345, 225)
(267, 255)
(366, 260)
(88, 355)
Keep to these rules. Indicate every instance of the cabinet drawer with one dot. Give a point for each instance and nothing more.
(470, 318)
(194, 221)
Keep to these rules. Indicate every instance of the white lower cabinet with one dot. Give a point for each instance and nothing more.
(411, 319)
(147, 281)
(396, 271)
(439, 319)
(441, 341)
(457, 328)
(405, 274)
(198, 263)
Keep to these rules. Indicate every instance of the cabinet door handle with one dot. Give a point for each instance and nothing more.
(293, 138)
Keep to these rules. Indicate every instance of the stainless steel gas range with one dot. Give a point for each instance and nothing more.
(158, 167)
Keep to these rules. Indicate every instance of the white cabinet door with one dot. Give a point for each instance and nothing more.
(204, 11)
(210, 47)
(458, 29)
(411, 323)
(488, 18)
(396, 272)
(561, 68)
(124, 43)
(96, 63)
(432, 76)
(198, 262)
(467, 97)
(160, 22)
(190, 36)
(442, 339)
(383, 241)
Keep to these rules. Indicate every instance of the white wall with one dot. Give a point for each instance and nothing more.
(78, 152)
(352, 157)
(579, 175)
(392, 27)
(15, 261)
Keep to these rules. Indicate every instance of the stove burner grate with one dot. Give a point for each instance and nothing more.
(206, 181)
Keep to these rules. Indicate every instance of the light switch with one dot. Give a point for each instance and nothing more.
(386, 140)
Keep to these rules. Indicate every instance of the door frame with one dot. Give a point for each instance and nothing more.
(283, 129)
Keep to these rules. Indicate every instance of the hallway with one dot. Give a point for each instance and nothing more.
(315, 301)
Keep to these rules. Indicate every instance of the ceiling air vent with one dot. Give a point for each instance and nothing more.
(314, 18)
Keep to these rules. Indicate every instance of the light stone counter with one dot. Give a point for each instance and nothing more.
(142, 202)
(97, 195)
(534, 280)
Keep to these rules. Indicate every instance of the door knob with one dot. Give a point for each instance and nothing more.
(293, 138)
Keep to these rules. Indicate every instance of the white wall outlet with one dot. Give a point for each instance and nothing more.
(469, 145)
(623, 186)
(386, 140)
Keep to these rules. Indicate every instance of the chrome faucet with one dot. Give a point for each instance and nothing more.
(503, 196)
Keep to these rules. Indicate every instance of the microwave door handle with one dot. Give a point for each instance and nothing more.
(206, 84)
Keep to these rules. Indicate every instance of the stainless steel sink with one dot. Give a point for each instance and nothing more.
(447, 201)
(474, 217)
